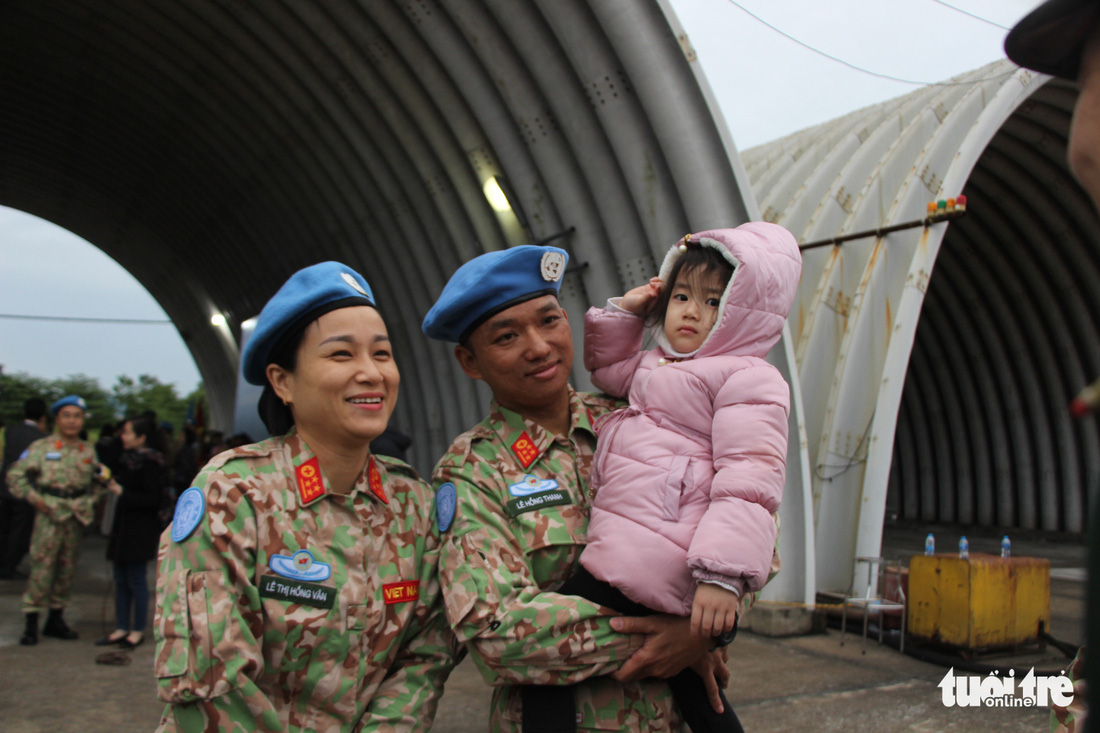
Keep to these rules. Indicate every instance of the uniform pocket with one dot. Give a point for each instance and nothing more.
(676, 481)
(200, 638)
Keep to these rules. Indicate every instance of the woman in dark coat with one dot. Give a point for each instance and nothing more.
(135, 534)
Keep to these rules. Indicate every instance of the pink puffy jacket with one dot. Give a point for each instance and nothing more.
(688, 476)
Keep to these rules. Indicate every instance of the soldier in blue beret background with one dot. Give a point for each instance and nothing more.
(58, 476)
(512, 499)
(297, 586)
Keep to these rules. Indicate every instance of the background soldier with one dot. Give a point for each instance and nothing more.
(56, 476)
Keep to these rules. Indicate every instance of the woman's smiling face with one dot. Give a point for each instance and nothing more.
(344, 386)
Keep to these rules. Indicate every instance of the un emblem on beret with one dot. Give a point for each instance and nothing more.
(352, 282)
(552, 266)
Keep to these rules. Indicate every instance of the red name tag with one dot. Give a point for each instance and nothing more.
(408, 590)
(525, 450)
(309, 480)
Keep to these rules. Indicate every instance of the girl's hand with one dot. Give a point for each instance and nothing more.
(639, 300)
(714, 611)
(114, 488)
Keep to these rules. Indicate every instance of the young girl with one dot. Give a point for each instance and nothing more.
(687, 477)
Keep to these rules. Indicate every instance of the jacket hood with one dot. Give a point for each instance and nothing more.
(759, 295)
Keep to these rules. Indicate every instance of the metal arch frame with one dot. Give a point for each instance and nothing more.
(860, 303)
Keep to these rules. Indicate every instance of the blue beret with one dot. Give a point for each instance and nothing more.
(66, 401)
(307, 295)
(490, 283)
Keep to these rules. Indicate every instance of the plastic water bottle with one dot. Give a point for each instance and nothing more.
(964, 548)
(929, 545)
(1006, 546)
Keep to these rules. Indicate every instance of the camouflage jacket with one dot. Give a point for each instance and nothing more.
(289, 607)
(518, 531)
(57, 467)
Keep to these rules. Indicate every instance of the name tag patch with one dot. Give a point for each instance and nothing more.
(403, 592)
(53, 456)
(532, 485)
(295, 591)
(531, 503)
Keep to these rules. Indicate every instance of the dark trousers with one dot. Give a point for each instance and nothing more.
(549, 709)
(16, 523)
(131, 589)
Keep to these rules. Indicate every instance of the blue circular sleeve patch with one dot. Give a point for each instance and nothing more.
(446, 498)
(189, 510)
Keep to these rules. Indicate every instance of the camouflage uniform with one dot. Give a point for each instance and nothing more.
(57, 479)
(243, 645)
(509, 549)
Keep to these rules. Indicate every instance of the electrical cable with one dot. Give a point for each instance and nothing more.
(975, 17)
(142, 321)
(860, 68)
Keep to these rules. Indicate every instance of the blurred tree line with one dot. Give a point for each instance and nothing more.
(126, 397)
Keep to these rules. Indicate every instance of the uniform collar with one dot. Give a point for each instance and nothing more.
(310, 484)
(527, 440)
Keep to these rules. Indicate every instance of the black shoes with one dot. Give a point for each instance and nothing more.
(131, 645)
(57, 628)
(108, 641)
(30, 634)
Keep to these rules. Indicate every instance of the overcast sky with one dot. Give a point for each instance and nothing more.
(767, 85)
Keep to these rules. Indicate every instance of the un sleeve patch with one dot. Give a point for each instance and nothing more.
(446, 498)
(189, 510)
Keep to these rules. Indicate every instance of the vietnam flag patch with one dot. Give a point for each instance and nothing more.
(403, 592)
(525, 450)
(310, 485)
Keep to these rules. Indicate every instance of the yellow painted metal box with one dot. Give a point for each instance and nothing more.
(981, 602)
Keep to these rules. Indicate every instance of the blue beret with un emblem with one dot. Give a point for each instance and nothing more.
(66, 401)
(307, 295)
(490, 283)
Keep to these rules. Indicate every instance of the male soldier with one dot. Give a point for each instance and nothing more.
(16, 515)
(513, 491)
(57, 476)
(1062, 38)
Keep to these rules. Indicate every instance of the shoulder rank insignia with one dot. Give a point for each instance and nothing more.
(374, 478)
(310, 484)
(189, 510)
(445, 501)
(525, 450)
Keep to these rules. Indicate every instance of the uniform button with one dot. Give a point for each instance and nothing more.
(494, 625)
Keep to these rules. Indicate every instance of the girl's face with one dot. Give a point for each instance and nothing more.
(692, 309)
(344, 388)
(130, 439)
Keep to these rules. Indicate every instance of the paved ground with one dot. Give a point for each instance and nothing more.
(809, 683)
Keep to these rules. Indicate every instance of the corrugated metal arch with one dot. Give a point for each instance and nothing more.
(963, 419)
(211, 148)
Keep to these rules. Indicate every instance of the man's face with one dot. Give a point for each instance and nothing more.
(70, 420)
(524, 354)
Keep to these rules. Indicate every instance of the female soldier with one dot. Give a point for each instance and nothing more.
(297, 585)
(57, 476)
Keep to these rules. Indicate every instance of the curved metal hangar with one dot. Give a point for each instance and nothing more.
(212, 148)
